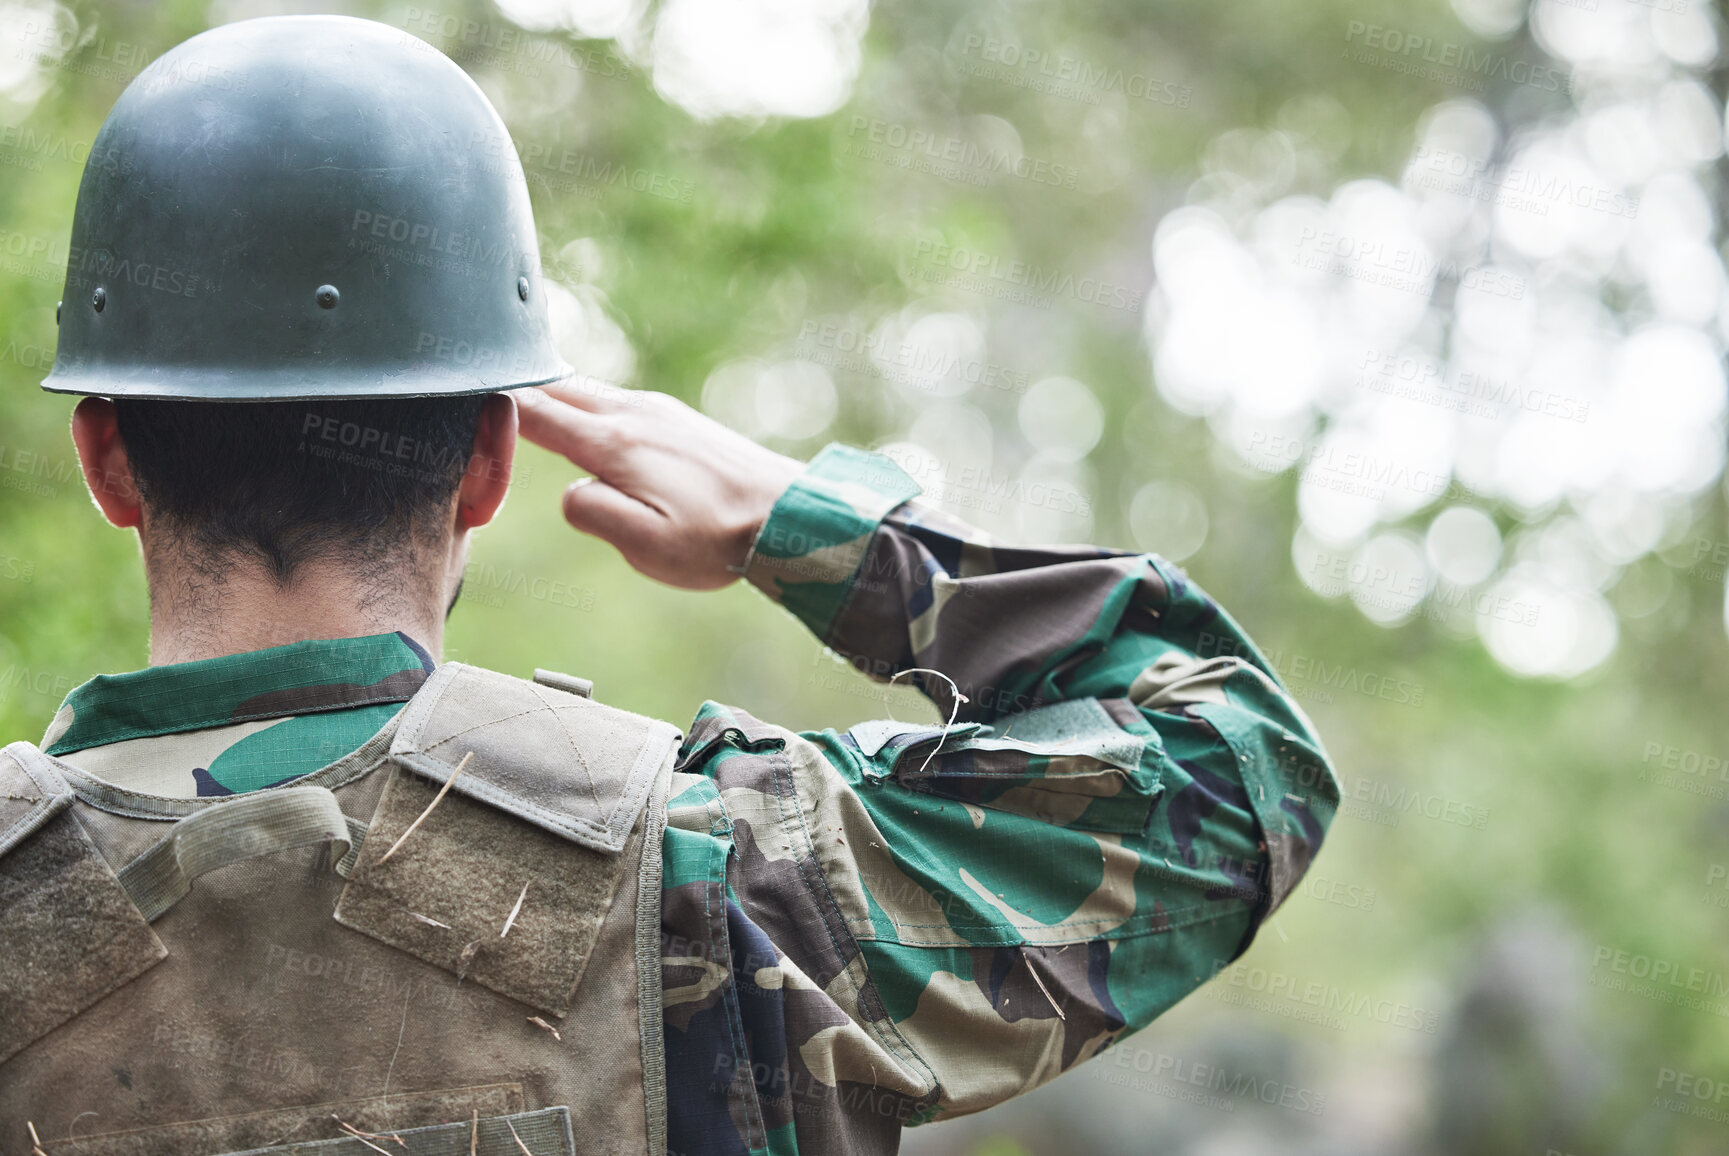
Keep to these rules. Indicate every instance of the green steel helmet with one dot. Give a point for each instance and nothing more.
(302, 207)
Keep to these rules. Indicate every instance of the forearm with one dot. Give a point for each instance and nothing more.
(892, 585)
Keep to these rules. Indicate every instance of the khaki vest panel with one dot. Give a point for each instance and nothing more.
(504, 961)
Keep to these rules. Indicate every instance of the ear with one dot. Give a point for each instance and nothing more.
(107, 470)
(487, 478)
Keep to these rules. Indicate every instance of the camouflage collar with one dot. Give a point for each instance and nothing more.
(300, 678)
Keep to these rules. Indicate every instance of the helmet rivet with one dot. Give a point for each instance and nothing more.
(98, 299)
(522, 288)
(327, 296)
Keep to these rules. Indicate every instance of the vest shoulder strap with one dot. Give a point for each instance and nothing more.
(32, 791)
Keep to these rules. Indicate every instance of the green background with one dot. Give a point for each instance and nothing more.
(1553, 839)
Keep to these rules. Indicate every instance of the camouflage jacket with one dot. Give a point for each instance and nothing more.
(896, 923)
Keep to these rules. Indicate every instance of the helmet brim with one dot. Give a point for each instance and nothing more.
(169, 383)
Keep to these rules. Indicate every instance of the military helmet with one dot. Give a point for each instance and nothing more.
(302, 207)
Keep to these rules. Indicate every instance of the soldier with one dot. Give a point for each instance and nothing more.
(300, 887)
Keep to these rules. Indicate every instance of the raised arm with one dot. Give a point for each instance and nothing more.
(949, 916)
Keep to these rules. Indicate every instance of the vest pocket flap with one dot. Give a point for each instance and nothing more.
(69, 935)
(476, 891)
(897, 737)
(574, 767)
(1071, 764)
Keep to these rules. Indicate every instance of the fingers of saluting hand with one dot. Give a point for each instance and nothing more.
(583, 435)
(592, 394)
(592, 506)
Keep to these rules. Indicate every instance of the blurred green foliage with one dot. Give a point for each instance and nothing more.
(784, 227)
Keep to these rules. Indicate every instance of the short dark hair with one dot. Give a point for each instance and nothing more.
(289, 482)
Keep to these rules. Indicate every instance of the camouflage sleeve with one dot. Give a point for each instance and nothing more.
(940, 918)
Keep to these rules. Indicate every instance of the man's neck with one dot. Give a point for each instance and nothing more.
(242, 608)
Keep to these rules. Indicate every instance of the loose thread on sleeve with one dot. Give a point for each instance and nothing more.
(954, 709)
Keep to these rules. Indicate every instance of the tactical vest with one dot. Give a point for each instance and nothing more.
(284, 972)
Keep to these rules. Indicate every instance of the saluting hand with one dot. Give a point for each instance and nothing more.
(680, 495)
